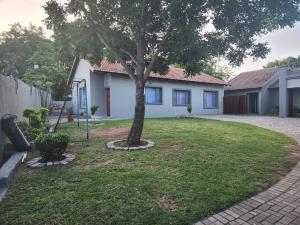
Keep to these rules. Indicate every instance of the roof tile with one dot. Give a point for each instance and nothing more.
(173, 74)
(251, 80)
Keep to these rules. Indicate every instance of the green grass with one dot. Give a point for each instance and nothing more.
(197, 167)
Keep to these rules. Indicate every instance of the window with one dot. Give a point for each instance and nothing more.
(210, 100)
(153, 95)
(181, 97)
(82, 98)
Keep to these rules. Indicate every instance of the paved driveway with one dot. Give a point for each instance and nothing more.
(288, 126)
(279, 204)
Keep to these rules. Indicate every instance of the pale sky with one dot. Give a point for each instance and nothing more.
(283, 43)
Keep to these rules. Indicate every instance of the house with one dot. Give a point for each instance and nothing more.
(265, 91)
(110, 88)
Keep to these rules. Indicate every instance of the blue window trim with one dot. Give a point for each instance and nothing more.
(161, 91)
(217, 100)
(185, 90)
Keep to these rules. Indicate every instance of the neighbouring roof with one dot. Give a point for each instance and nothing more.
(173, 74)
(251, 80)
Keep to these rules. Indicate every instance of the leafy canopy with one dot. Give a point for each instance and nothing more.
(152, 34)
(17, 45)
(282, 62)
(51, 73)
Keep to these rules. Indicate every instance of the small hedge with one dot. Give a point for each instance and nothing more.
(52, 146)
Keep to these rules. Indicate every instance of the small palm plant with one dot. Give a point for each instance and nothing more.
(94, 109)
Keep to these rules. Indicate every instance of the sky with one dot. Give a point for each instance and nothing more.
(283, 43)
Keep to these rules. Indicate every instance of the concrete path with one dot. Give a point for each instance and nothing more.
(279, 204)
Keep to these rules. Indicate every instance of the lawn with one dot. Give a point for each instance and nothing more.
(197, 167)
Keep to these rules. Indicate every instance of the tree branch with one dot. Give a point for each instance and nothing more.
(156, 54)
(102, 35)
(129, 54)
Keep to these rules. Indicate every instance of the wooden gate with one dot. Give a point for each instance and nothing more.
(236, 104)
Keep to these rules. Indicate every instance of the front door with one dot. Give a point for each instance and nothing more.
(253, 103)
(107, 93)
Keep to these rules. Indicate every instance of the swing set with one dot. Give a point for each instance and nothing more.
(80, 84)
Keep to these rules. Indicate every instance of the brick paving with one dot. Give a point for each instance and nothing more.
(280, 204)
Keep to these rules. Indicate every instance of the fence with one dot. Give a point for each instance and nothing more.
(15, 96)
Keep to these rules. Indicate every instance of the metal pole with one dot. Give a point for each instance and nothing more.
(78, 103)
(86, 110)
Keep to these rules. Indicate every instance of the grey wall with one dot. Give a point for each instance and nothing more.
(123, 98)
(296, 97)
(15, 96)
(98, 93)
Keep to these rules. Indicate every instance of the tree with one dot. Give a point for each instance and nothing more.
(51, 72)
(149, 35)
(17, 45)
(282, 62)
(212, 68)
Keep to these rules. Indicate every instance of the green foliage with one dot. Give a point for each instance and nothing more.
(94, 109)
(282, 62)
(27, 113)
(212, 68)
(106, 27)
(23, 125)
(44, 112)
(51, 73)
(70, 111)
(275, 111)
(17, 45)
(36, 124)
(52, 146)
(189, 108)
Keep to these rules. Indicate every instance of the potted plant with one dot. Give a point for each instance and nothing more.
(297, 112)
(94, 109)
(52, 146)
(70, 115)
(189, 108)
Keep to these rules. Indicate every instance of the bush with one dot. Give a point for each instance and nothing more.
(44, 113)
(52, 146)
(23, 125)
(189, 108)
(275, 111)
(27, 113)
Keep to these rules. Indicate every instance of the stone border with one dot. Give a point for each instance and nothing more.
(33, 163)
(111, 145)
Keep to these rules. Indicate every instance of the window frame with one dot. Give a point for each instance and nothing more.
(185, 90)
(161, 92)
(217, 100)
(81, 98)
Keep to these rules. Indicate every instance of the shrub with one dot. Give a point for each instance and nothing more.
(23, 125)
(44, 113)
(275, 111)
(189, 109)
(52, 146)
(94, 109)
(27, 113)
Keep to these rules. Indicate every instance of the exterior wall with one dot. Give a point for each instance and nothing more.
(98, 94)
(296, 98)
(274, 98)
(83, 71)
(293, 83)
(15, 96)
(123, 98)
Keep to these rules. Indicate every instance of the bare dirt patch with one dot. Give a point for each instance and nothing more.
(109, 133)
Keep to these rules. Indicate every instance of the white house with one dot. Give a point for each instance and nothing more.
(110, 88)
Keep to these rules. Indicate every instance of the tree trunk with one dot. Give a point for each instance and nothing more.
(134, 137)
